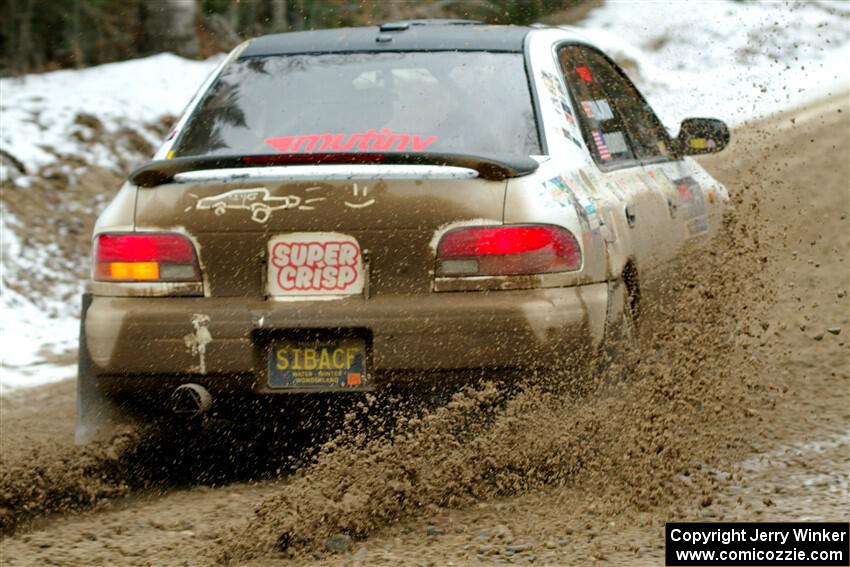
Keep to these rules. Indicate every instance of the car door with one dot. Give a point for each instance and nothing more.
(621, 140)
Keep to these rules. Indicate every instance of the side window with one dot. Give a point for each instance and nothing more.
(618, 123)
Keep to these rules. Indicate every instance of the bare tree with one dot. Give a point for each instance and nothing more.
(278, 15)
(173, 23)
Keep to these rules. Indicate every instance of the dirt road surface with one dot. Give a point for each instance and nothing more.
(736, 408)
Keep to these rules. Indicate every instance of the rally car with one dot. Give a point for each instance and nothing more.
(338, 207)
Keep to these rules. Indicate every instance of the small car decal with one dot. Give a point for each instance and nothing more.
(258, 200)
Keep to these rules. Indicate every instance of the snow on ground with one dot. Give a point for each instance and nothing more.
(39, 111)
(735, 61)
(731, 60)
(33, 331)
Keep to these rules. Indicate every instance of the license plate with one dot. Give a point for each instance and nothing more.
(318, 364)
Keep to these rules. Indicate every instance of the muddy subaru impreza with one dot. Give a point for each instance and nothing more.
(336, 207)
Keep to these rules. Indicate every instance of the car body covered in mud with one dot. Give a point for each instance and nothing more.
(339, 207)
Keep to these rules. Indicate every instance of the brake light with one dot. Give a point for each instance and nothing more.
(507, 250)
(145, 257)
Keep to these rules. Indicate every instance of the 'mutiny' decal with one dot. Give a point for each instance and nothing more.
(369, 141)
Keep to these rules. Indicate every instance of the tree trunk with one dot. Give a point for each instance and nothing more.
(25, 60)
(392, 11)
(278, 10)
(171, 26)
(76, 50)
(297, 20)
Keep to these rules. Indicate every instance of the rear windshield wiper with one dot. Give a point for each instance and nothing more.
(492, 167)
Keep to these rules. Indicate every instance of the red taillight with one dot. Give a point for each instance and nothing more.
(145, 257)
(507, 250)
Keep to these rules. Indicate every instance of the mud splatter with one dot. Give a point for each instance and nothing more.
(51, 478)
(631, 430)
(61, 480)
(197, 342)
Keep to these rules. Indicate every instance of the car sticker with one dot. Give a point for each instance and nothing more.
(552, 196)
(314, 264)
(579, 189)
(568, 113)
(567, 192)
(385, 140)
(587, 183)
(620, 189)
(581, 211)
(561, 106)
(557, 192)
(584, 74)
(603, 109)
(556, 103)
(597, 109)
(604, 153)
(702, 143)
(692, 204)
(616, 142)
(617, 191)
(667, 188)
(551, 82)
(566, 133)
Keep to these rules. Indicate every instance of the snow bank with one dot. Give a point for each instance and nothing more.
(39, 123)
(31, 335)
(39, 111)
(732, 60)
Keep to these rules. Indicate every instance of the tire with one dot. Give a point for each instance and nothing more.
(620, 347)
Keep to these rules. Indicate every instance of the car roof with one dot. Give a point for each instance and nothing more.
(408, 35)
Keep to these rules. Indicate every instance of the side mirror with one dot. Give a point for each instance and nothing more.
(702, 136)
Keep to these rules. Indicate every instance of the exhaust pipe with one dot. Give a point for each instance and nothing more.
(190, 400)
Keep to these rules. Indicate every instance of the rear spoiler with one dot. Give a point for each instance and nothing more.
(492, 168)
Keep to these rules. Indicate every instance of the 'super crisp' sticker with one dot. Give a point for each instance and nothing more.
(314, 264)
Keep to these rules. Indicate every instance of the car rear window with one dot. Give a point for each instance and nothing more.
(435, 102)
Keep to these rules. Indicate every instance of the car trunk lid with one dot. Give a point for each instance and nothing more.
(391, 214)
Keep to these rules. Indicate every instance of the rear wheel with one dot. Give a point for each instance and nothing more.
(628, 316)
(620, 348)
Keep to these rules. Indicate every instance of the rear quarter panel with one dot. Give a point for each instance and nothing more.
(119, 215)
(568, 189)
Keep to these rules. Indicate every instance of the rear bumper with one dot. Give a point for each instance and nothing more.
(149, 337)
